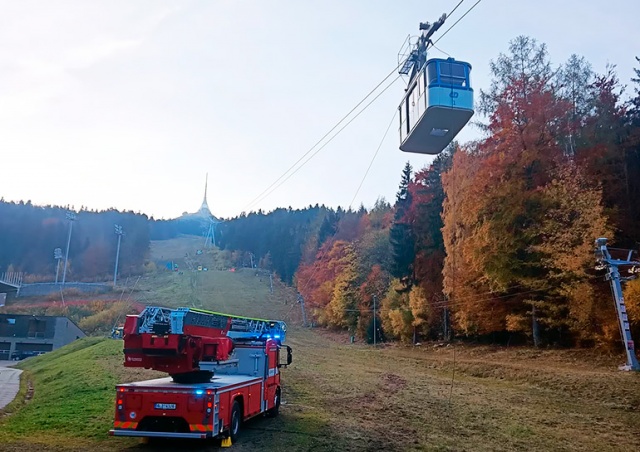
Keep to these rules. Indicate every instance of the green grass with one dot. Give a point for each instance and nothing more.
(340, 396)
(73, 394)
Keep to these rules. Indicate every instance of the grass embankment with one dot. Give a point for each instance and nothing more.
(340, 396)
(353, 397)
(73, 396)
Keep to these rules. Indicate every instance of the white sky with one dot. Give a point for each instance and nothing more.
(128, 104)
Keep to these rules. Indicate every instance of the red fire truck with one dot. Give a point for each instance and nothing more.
(222, 370)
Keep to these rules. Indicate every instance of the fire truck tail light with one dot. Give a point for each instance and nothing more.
(209, 392)
(119, 401)
(209, 405)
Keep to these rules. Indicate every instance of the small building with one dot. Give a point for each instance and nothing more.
(27, 335)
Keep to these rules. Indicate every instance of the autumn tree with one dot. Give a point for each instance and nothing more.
(425, 216)
(509, 268)
(372, 293)
(395, 312)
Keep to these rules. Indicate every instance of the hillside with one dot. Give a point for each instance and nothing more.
(341, 396)
(221, 287)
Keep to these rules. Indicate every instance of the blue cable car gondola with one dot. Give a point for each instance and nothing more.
(438, 101)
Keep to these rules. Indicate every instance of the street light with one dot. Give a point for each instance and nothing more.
(119, 233)
(71, 217)
(57, 255)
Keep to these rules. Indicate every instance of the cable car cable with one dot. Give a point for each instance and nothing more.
(260, 197)
(257, 198)
(454, 9)
(456, 22)
(374, 157)
(266, 195)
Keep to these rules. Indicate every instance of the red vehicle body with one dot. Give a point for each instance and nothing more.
(224, 381)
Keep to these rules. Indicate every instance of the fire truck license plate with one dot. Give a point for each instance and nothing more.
(165, 406)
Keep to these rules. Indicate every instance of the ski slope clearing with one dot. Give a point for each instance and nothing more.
(339, 396)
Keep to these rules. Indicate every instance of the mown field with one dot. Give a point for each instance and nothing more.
(340, 396)
(347, 397)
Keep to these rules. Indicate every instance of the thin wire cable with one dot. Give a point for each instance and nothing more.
(323, 137)
(440, 50)
(373, 159)
(454, 9)
(260, 197)
(266, 195)
(447, 303)
(456, 22)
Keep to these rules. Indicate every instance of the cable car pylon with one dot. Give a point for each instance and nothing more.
(606, 262)
(438, 101)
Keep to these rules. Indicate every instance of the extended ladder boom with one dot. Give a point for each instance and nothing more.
(177, 341)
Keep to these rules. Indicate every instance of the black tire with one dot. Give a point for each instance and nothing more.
(273, 412)
(236, 421)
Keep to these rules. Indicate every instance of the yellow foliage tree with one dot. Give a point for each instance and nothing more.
(395, 313)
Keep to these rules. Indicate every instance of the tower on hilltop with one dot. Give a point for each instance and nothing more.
(204, 208)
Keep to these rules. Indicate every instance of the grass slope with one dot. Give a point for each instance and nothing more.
(73, 398)
(348, 397)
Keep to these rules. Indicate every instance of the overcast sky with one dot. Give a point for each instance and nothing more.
(128, 104)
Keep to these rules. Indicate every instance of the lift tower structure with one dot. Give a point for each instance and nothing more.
(606, 262)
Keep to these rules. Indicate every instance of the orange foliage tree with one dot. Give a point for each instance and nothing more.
(516, 249)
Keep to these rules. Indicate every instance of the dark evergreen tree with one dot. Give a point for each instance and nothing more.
(401, 234)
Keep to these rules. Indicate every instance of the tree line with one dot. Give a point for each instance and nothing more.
(29, 234)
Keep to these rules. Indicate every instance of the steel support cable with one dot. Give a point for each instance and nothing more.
(373, 158)
(359, 186)
(260, 197)
(456, 22)
(454, 9)
(369, 94)
(269, 192)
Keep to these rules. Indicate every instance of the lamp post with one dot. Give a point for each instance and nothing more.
(57, 255)
(119, 233)
(71, 217)
(375, 332)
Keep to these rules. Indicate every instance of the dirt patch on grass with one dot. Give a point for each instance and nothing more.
(392, 383)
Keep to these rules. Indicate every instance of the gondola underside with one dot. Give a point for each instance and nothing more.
(435, 130)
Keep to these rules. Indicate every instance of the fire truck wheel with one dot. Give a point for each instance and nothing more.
(273, 412)
(236, 420)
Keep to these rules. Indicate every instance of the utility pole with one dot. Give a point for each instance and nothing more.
(119, 233)
(71, 217)
(57, 255)
(375, 330)
(606, 262)
(304, 314)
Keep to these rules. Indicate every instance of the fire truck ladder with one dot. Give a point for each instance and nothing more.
(606, 262)
(160, 320)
